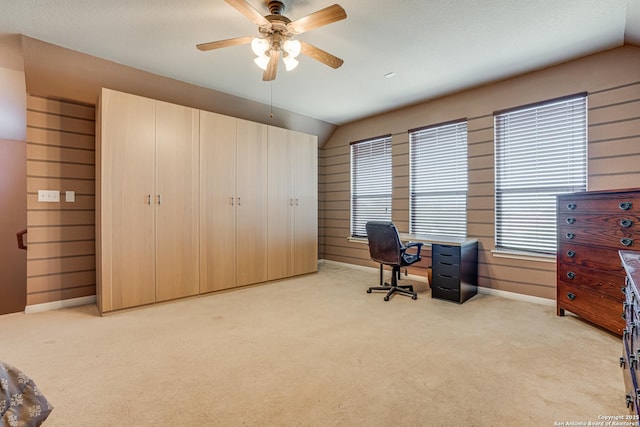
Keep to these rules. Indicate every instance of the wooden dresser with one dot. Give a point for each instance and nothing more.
(631, 334)
(592, 227)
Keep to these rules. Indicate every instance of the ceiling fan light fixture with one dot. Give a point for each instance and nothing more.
(259, 46)
(292, 47)
(262, 61)
(290, 62)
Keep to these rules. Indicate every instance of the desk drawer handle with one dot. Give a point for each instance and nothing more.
(625, 206)
(571, 296)
(446, 276)
(626, 242)
(626, 223)
(571, 254)
(571, 275)
(572, 206)
(570, 236)
(571, 220)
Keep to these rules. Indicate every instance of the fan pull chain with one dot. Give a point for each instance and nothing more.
(271, 101)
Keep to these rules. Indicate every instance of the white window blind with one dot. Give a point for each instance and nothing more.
(438, 180)
(540, 151)
(370, 183)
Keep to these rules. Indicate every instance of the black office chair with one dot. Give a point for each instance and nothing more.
(386, 248)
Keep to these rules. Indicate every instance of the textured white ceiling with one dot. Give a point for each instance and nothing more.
(433, 46)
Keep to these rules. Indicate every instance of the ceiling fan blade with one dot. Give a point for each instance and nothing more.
(320, 55)
(272, 68)
(317, 19)
(224, 43)
(247, 10)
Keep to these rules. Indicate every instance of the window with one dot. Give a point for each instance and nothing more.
(438, 180)
(540, 151)
(370, 183)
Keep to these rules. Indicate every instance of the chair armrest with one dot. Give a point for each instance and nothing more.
(413, 245)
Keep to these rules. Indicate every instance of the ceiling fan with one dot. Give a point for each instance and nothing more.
(277, 36)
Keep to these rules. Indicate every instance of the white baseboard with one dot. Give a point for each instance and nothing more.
(56, 305)
(366, 268)
(481, 290)
(516, 296)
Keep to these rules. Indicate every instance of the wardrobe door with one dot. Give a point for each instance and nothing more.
(217, 202)
(280, 256)
(251, 192)
(176, 201)
(126, 226)
(305, 166)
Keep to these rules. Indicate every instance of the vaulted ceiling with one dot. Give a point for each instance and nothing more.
(430, 47)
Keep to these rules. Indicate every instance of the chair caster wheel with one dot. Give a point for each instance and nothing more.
(368, 291)
(386, 298)
(414, 297)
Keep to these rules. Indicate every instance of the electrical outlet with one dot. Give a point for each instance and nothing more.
(49, 196)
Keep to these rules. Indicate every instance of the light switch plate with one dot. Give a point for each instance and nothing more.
(50, 196)
(70, 196)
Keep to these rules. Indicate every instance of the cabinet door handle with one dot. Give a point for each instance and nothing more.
(148, 199)
(158, 199)
(626, 242)
(238, 201)
(571, 275)
(626, 223)
(231, 201)
(297, 202)
(571, 220)
(571, 254)
(290, 202)
(571, 296)
(625, 206)
(572, 206)
(570, 236)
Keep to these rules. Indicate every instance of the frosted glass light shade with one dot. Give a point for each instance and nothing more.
(262, 61)
(293, 47)
(259, 46)
(290, 62)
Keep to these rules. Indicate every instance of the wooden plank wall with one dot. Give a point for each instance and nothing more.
(614, 162)
(61, 236)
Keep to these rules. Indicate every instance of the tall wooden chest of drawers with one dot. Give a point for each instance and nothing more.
(592, 227)
(631, 335)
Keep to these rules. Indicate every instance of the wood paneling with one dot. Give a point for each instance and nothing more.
(61, 236)
(614, 157)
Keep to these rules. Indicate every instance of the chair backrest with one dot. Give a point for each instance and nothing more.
(384, 242)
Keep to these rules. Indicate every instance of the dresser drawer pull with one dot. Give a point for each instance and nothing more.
(626, 223)
(571, 220)
(571, 254)
(571, 275)
(626, 242)
(571, 296)
(572, 206)
(570, 236)
(625, 206)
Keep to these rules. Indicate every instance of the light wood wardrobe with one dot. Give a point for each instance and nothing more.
(192, 202)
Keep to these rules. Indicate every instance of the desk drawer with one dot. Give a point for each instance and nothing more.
(445, 281)
(444, 269)
(445, 251)
(445, 293)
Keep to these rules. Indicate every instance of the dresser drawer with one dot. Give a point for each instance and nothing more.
(611, 237)
(619, 203)
(609, 221)
(591, 306)
(590, 256)
(605, 283)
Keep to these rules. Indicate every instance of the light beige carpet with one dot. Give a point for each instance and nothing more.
(318, 351)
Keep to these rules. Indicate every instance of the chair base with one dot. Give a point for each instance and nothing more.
(392, 289)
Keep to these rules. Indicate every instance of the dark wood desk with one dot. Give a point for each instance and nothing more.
(454, 263)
